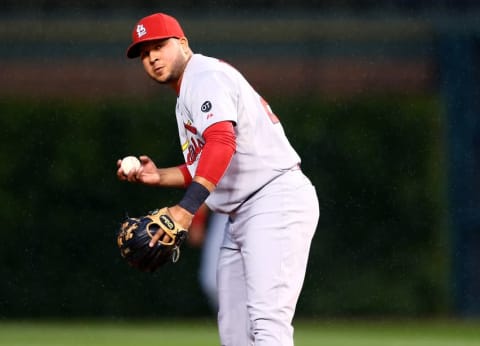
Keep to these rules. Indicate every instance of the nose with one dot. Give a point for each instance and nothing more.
(153, 56)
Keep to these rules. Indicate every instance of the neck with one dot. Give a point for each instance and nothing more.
(178, 83)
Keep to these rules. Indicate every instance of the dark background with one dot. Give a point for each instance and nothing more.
(378, 97)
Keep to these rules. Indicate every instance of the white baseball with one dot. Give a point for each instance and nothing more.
(130, 163)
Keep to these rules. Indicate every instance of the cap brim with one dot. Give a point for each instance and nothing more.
(133, 51)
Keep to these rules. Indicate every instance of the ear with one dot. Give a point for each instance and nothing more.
(184, 44)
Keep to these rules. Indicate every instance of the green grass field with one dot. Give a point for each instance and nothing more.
(203, 333)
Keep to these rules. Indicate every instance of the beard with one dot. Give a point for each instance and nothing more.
(172, 75)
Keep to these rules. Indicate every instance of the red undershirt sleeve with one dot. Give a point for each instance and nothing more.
(186, 174)
(220, 145)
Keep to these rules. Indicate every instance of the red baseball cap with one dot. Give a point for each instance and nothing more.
(154, 27)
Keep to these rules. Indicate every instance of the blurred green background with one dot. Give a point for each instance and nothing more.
(379, 99)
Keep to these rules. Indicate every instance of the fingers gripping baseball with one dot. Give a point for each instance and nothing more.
(145, 171)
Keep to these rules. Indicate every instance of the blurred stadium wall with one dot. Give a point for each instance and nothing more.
(74, 51)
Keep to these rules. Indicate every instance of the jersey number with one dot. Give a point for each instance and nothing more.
(269, 111)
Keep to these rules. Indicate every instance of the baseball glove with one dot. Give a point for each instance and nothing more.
(135, 234)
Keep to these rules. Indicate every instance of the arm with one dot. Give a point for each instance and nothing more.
(149, 174)
(220, 145)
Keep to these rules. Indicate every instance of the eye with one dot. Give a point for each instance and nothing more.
(158, 46)
(144, 51)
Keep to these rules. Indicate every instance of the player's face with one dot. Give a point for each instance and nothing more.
(165, 60)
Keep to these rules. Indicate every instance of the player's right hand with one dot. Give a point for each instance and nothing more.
(147, 173)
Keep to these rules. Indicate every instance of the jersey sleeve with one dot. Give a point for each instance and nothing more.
(214, 99)
(217, 152)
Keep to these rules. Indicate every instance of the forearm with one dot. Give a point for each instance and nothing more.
(173, 177)
(187, 179)
(216, 155)
(210, 186)
(170, 177)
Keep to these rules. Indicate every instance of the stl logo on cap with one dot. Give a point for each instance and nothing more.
(141, 30)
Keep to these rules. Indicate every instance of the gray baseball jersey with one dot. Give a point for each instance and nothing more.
(263, 151)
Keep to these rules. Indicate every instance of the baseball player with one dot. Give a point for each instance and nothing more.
(239, 162)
